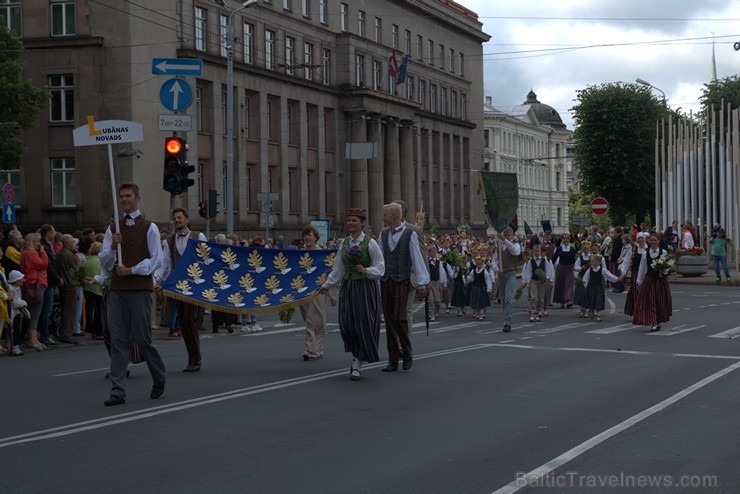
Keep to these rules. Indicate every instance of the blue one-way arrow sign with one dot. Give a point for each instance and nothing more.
(176, 95)
(8, 212)
(177, 66)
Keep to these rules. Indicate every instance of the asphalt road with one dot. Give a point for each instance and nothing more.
(564, 405)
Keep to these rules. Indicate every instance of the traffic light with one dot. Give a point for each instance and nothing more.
(202, 209)
(176, 166)
(212, 203)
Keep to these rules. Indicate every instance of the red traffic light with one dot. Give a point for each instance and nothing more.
(173, 146)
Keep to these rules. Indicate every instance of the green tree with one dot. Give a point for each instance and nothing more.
(20, 101)
(713, 93)
(615, 146)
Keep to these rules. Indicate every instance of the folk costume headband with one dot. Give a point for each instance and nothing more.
(359, 212)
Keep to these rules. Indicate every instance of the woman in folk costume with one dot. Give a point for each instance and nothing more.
(538, 274)
(564, 260)
(583, 263)
(438, 277)
(480, 284)
(459, 297)
(358, 266)
(593, 281)
(313, 312)
(630, 269)
(654, 302)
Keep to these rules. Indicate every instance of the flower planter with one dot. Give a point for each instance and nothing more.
(690, 266)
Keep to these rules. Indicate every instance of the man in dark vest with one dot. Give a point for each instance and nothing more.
(505, 263)
(131, 289)
(402, 258)
(187, 314)
(422, 248)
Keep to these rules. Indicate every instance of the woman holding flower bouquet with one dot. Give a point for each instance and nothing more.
(358, 266)
(630, 268)
(654, 302)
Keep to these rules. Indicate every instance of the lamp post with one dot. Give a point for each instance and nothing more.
(229, 192)
(646, 83)
(660, 187)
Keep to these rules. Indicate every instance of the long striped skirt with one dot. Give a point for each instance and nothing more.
(563, 290)
(134, 355)
(629, 304)
(654, 302)
(359, 318)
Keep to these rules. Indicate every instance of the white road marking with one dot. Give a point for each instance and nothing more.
(675, 330)
(562, 327)
(591, 443)
(81, 372)
(612, 329)
(730, 333)
(612, 305)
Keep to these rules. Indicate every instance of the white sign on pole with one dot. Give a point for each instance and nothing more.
(179, 123)
(107, 132)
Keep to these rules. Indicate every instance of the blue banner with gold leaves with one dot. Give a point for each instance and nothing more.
(235, 279)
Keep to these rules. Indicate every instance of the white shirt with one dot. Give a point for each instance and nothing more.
(688, 241)
(147, 266)
(375, 271)
(527, 270)
(181, 243)
(486, 275)
(649, 256)
(606, 273)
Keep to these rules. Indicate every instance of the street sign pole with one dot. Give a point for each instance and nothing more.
(117, 220)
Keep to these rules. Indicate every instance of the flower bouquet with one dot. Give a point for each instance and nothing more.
(662, 263)
(540, 276)
(354, 255)
(286, 315)
(454, 259)
(518, 293)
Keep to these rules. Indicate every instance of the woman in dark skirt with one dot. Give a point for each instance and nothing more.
(594, 293)
(565, 257)
(480, 283)
(459, 288)
(358, 266)
(654, 302)
(582, 265)
(638, 250)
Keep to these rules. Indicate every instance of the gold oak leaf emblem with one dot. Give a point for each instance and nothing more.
(194, 271)
(236, 299)
(255, 260)
(228, 256)
(203, 251)
(329, 261)
(321, 279)
(220, 277)
(261, 300)
(209, 294)
(272, 283)
(280, 262)
(287, 298)
(306, 261)
(183, 286)
(246, 281)
(297, 283)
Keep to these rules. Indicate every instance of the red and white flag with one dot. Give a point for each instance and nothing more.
(393, 65)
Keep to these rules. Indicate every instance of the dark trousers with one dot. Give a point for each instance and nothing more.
(20, 326)
(187, 314)
(68, 309)
(394, 297)
(92, 314)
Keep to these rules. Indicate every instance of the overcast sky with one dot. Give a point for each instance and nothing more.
(557, 48)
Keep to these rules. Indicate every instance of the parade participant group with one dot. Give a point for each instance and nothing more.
(374, 281)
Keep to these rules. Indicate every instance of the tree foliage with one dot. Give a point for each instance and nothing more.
(20, 101)
(615, 145)
(726, 89)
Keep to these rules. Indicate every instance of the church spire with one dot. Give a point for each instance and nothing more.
(713, 75)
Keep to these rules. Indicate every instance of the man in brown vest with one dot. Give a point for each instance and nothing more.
(505, 264)
(131, 287)
(187, 314)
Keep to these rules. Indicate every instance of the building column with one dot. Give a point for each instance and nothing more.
(302, 175)
(375, 177)
(358, 190)
(320, 166)
(392, 189)
(408, 170)
(439, 196)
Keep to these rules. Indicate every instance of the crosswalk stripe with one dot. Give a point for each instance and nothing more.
(612, 329)
(730, 333)
(675, 330)
(564, 327)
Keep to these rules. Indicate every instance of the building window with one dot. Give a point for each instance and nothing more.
(269, 121)
(378, 30)
(63, 182)
(198, 108)
(199, 181)
(433, 98)
(290, 55)
(62, 105)
(306, 8)
(246, 130)
(62, 17)
(462, 64)
(200, 28)
(407, 42)
(410, 87)
(248, 186)
(10, 15)
(287, 4)
(323, 11)
(360, 70)
(394, 37)
(443, 102)
(377, 75)
(326, 66)
(343, 17)
(223, 108)
(419, 48)
(430, 51)
(13, 177)
(392, 86)
(560, 216)
(225, 41)
(308, 61)
(442, 57)
(248, 43)
(463, 107)
(269, 49)
(557, 181)
(486, 138)
(422, 93)
(452, 60)
(453, 104)
(292, 190)
(361, 23)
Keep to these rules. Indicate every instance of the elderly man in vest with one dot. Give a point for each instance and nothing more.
(131, 288)
(505, 263)
(402, 257)
(187, 314)
(422, 248)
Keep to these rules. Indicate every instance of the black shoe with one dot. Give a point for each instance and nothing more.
(71, 342)
(306, 357)
(215, 330)
(391, 367)
(228, 328)
(569, 304)
(507, 328)
(355, 374)
(408, 361)
(114, 401)
(157, 391)
(191, 368)
(655, 329)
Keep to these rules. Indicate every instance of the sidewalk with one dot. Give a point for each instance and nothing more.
(707, 279)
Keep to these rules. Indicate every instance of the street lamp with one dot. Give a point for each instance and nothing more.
(646, 83)
(229, 192)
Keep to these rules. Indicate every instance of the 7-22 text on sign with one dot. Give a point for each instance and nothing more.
(174, 123)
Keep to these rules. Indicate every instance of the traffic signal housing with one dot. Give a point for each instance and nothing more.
(212, 203)
(202, 209)
(176, 166)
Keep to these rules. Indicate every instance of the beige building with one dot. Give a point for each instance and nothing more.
(532, 141)
(310, 76)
